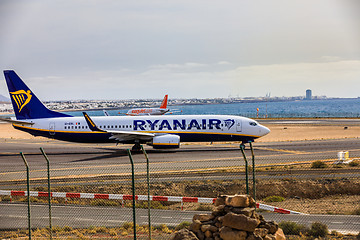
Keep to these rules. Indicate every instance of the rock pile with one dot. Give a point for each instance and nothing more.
(233, 219)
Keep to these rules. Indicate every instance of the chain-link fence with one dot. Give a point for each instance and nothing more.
(92, 194)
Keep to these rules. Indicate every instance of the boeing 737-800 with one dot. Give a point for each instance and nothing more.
(158, 131)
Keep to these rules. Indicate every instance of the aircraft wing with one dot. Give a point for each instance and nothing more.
(119, 135)
(15, 121)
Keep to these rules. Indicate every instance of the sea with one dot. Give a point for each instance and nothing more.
(327, 108)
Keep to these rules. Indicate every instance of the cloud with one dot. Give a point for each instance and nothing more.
(124, 49)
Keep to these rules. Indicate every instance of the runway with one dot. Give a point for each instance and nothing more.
(93, 161)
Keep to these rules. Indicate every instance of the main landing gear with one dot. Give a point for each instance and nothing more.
(136, 147)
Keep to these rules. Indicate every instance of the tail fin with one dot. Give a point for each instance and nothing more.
(26, 105)
(164, 102)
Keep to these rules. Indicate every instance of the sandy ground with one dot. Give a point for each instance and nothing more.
(278, 132)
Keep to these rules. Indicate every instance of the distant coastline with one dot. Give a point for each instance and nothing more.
(267, 107)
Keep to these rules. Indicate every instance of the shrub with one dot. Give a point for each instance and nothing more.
(67, 229)
(274, 199)
(354, 163)
(5, 198)
(292, 228)
(356, 212)
(182, 225)
(318, 164)
(113, 232)
(103, 202)
(128, 225)
(204, 207)
(163, 228)
(318, 229)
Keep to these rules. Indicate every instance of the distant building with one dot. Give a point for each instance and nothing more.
(308, 95)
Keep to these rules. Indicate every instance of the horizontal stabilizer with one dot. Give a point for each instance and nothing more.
(15, 121)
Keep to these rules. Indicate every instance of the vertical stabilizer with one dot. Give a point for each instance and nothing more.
(164, 102)
(26, 105)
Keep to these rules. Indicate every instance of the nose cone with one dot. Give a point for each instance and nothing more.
(264, 130)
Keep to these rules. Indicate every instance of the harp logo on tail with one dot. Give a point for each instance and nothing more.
(21, 98)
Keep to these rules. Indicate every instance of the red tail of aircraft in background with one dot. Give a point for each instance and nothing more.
(150, 111)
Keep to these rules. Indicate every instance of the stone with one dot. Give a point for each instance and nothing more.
(238, 201)
(269, 237)
(271, 226)
(220, 200)
(219, 210)
(208, 234)
(227, 233)
(195, 226)
(184, 234)
(203, 217)
(279, 235)
(261, 232)
(240, 222)
(252, 202)
(205, 228)
(200, 235)
(252, 236)
(249, 212)
(213, 229)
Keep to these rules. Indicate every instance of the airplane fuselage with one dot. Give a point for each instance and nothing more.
(190, 128)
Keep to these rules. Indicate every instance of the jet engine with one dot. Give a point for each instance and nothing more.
(165, 141)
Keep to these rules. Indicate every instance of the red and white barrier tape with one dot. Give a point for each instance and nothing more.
(137, 197)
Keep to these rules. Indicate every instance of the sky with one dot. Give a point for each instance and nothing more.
(144, 49)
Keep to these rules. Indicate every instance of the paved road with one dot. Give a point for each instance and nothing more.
(72, 160)
(14, 216)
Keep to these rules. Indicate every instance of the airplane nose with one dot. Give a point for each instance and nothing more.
(264, 130)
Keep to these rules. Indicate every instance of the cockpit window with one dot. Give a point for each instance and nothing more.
(253, 123)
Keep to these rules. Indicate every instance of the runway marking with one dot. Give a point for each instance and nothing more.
(282, 150)
(116, 221)
(84, 219)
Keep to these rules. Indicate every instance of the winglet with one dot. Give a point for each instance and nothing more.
(91, 123)
(164, 102)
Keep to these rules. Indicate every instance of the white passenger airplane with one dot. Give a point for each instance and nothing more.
(158, 131)
(150, 111)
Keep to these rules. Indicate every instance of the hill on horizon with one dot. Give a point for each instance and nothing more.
(4, 99)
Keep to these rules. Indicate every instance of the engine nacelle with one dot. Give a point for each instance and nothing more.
(166, 141)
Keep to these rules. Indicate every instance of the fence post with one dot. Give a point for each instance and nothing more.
(253, 169)
(133, 191)
(49, 190)
(242, 147)
(148, 186)
(28, 192)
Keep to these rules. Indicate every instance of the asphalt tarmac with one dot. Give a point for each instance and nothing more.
(77, 161)
(12, 217)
